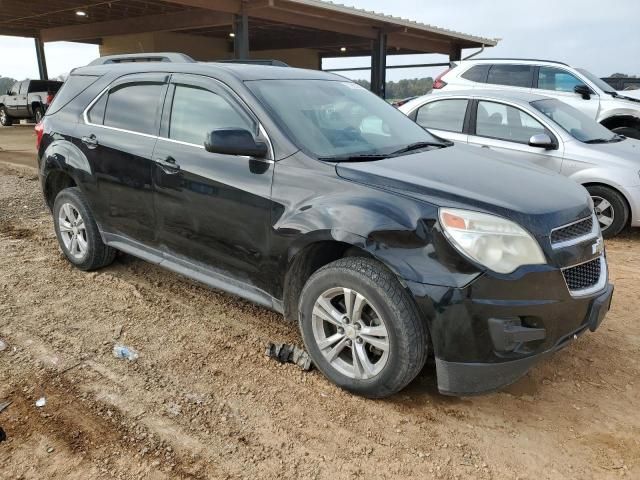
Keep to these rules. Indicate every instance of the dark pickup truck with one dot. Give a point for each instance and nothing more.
(27, 99)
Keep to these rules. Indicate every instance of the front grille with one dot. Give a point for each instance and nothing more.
(584, 276)
(573, 231)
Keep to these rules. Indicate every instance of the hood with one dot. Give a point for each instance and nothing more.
(478, 179)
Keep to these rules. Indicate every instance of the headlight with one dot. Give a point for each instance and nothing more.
(495, 242)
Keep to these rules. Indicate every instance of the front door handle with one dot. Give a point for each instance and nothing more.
(486, 146)
(91, 141)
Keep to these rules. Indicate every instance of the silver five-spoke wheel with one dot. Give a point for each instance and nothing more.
(350, 333)
(604, 211)
(72, 230)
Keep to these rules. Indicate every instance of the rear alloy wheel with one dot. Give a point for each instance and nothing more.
(77, 232)
(611, 210)
(5, 120)
(362, 328)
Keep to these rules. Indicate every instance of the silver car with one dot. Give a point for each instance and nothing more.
(549, 133)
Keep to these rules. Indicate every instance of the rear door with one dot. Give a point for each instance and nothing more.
(444, 118)
(118, 136)
(11, 102)
(507, 129)
(213, 209)
(22, 104)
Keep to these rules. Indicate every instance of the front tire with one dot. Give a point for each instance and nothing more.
(361, 328)
(611, 209)
(78, 233)
(629, 132)
(5, 119)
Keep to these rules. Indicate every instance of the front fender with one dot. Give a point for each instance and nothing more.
(399, 231)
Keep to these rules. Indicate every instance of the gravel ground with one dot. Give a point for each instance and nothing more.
(203, 401)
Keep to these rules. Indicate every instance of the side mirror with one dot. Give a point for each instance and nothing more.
(583, 90)
(542, 140)
(235, 141)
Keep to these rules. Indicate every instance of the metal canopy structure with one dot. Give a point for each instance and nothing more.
(247, 27)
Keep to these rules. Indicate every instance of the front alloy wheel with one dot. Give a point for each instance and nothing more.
(362, 328)
(350, 333)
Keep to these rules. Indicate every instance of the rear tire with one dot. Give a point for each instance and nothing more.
(5, 119)
(629, 132)
(38, 113)
(611, 209)
(78, 233)
(376, 347)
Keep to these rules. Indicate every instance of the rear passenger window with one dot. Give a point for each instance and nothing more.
(196, 112)
(443, 115)
(511, 75)
(134, 107)
(477, 73)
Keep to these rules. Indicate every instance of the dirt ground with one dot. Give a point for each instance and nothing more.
(203, 401)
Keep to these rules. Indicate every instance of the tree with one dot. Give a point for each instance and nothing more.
(5, 84)
(411, 87)
(621, 75)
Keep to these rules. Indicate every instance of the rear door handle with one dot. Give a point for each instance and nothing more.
(168, 164)
(91, 141)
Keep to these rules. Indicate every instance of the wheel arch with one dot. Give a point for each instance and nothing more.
(624, 120)
(615, 189)
(54, 182)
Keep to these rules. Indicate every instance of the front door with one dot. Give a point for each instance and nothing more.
(559, 83)
(118, 138)
(212, 209)
(507, 129)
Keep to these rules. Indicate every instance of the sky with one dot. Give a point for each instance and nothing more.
(602, 37)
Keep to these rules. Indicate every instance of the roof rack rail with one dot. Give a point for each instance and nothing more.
(273, 63)
(519, 59)
(171, 57)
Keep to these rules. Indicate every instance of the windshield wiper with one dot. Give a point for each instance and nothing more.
(603, 140)
(355, 158)
(420, 145)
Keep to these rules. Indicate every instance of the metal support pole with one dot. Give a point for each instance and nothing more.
(241, 39)
(379, 65)
(42, 61)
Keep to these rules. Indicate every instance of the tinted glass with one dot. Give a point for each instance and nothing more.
(511, 75)
(550, 78)
(477, 73)
(496, 120)
(601, 84)
(134, 106)
(443, 115)
(335, 118)
(44, 86)
(14, 89)
(576, 123)
(196, 112)
(74, 86)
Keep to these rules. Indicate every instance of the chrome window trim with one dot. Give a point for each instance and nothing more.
(595, 233)
(602, 281)
(261, 128)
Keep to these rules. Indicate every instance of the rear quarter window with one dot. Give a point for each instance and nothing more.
(74, 86)
(477, 73)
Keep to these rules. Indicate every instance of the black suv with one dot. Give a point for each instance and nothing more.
(303, 192)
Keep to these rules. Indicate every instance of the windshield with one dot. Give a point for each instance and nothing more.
(576, 123)
(334, 119)
(598, 82)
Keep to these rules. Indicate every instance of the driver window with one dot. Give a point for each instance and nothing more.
(496, 120)
(24, 86)
(196, 112)
(550, 78)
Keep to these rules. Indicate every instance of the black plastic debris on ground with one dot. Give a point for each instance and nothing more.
(286, 353)
(3, 436)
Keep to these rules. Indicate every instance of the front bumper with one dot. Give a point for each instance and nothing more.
(490, 333)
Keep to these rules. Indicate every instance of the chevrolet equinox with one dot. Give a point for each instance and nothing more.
(303, 192)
